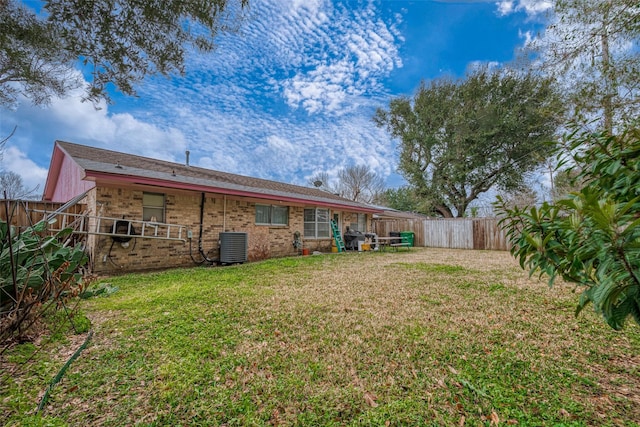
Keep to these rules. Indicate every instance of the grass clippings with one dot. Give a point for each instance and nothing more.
(420, 337)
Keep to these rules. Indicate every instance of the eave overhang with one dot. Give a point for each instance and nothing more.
(224, 189)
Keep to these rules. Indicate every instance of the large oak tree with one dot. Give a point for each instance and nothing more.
(458, 139)
(402, 199)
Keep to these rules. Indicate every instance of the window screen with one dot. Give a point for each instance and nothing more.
(153, 207)
(362, 222)
(272, 215)
(316, 223)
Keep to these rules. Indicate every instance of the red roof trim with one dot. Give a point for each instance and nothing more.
(54, 172)
(208, 189)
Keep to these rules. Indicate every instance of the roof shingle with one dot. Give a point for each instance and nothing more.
(102, 161)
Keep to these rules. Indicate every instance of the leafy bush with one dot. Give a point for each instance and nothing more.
(592, 236)
(35, 267)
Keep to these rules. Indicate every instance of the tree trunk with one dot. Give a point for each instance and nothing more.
(444, 211)
(461, 208)
(609, 78)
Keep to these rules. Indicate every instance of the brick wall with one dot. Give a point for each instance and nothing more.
(236, 214)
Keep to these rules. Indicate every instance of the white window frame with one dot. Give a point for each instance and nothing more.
(362, 218)
(152, 210)
(271, 215)
(317, 224)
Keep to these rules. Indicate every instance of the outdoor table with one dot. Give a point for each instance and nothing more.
(382, 242)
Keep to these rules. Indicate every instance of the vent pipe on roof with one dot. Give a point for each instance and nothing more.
(187, 154)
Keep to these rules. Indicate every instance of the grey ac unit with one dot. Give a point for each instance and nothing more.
(233, 247)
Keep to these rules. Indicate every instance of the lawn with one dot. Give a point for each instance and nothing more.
(422, 337)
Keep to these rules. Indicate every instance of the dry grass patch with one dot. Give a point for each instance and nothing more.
(420, 337)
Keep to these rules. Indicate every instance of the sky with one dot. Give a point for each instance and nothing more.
(288, 95)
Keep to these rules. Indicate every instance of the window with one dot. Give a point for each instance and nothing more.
(316, 223)
(279, 215)
(362, 222)
(153, 207)
(272, 215)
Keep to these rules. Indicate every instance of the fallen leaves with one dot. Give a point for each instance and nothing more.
(493, 419)
(564, 413)
(370, 398)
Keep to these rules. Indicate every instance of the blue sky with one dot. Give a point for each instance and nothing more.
(291, 94)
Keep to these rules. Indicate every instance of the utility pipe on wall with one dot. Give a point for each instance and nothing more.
(200, 234)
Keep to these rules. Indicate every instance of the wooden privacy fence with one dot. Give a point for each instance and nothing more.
(383, 227)
(454, 233)
(21, 212)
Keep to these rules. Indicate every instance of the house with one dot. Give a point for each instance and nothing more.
(142, 213)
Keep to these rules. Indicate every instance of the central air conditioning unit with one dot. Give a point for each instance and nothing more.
(233, 247)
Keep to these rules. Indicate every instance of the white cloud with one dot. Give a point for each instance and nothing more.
(280, 144)
(505, 7)
(286, 149)
(33, 176)
(480, 65)
(72, 120)
(534, 7)
(334, 54)
(527, 36)
(69, 119)
(290, 94)
(530, 7)
(142, 138)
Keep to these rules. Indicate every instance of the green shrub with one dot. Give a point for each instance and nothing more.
(591, 237)
(36, 267)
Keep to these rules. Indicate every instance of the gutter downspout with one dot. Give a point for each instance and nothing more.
(224, 214)
(200, 250)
